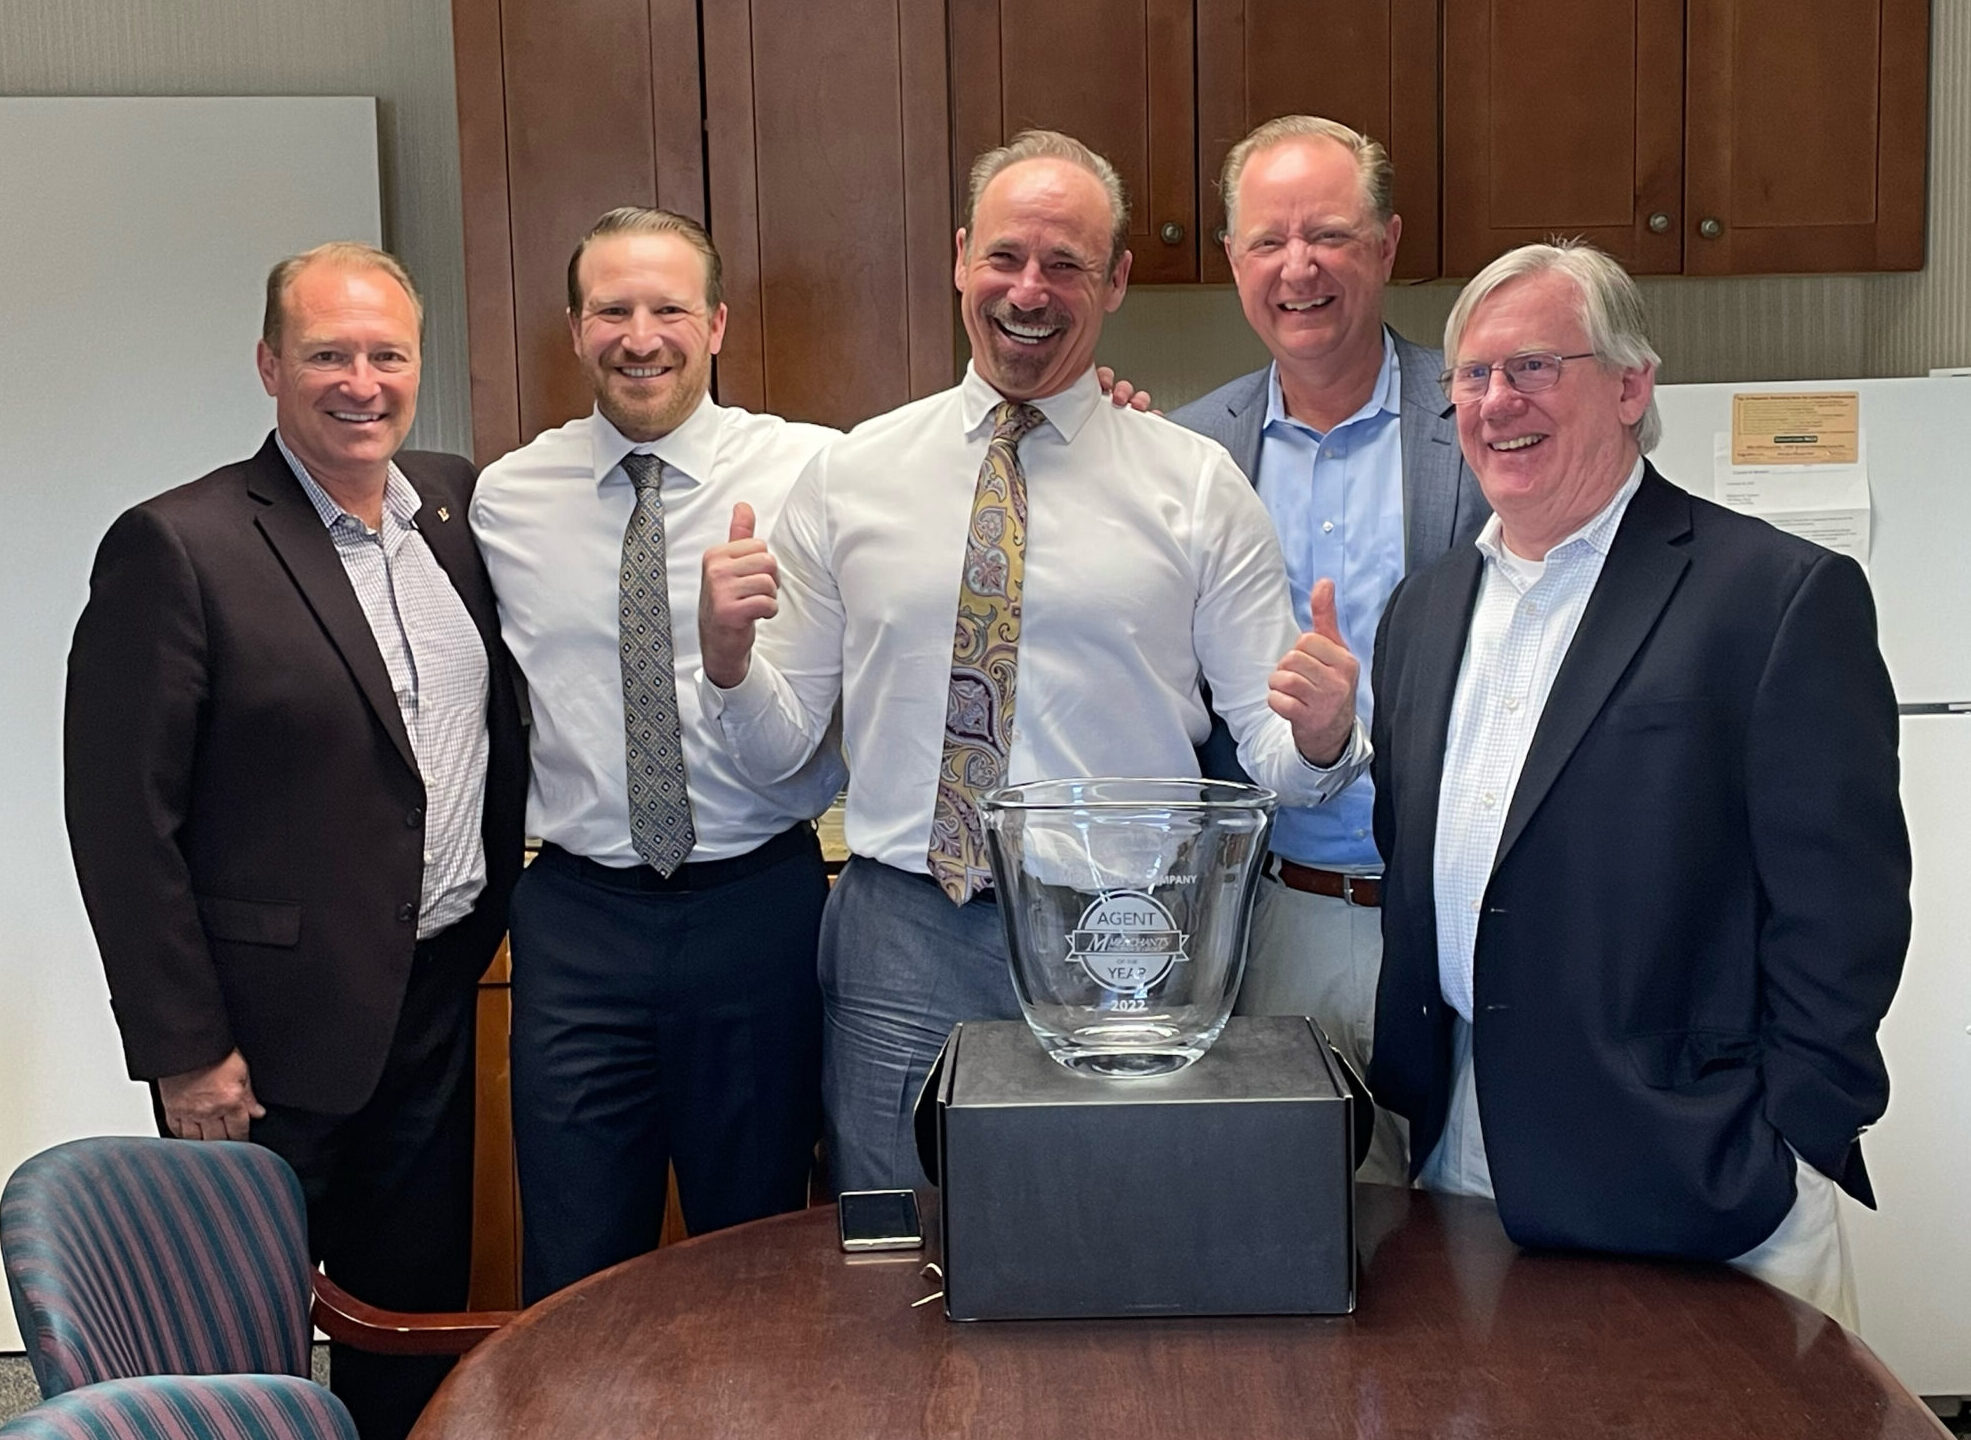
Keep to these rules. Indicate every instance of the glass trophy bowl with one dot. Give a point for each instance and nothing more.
(1126, 904)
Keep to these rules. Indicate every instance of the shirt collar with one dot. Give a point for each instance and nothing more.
(1598, 533)
(401, 501)
(688, 450)
(1066, 411)
(1385, 399)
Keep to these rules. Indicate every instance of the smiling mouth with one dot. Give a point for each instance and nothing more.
(643, 372)
(1518, 442)
(1301, 307)
(355, 417)
(1022, 334)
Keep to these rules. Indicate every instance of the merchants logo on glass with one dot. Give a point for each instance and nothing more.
(1126, 941)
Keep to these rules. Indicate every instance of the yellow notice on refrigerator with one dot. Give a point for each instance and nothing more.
(1820, 427)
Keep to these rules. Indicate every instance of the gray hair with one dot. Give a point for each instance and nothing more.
(642, 220)
(1371, 161)
(1611, 311)
(1052, 145)
(346, 254)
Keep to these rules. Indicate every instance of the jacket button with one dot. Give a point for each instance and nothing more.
(407, 912)
(414, 817)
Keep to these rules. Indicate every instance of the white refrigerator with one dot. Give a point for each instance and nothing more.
(1913, 1255)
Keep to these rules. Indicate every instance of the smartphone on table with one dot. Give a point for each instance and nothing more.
(880, 1220)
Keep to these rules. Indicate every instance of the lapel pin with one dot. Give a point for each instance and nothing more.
(443, 513)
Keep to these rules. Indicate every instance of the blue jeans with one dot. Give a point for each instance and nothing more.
(900, 965)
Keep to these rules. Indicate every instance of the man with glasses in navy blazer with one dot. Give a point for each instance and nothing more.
(1636, 782)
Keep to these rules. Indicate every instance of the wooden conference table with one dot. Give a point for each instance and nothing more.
(769, 1330)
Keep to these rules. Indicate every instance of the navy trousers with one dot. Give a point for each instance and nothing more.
(656, 1022)
(389, 1188)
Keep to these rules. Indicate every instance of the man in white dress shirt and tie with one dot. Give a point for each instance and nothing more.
(664, 999)
(909, 580)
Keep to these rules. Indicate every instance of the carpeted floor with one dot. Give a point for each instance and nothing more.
(17, 1388)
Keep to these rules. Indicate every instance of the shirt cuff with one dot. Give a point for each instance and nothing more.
(1354, 755)
(745, 702)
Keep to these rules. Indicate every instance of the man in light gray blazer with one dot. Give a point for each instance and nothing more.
(1350, 441)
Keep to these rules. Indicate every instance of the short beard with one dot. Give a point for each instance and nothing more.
(654, 419)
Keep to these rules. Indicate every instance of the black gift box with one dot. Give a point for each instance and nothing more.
(1224, 1189)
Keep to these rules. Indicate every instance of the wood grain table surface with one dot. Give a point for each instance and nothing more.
(769, 1330)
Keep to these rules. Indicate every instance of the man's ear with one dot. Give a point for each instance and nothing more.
(269, 366)
(717, 337)
(1392, 234)
(1638, 388)
(575, 332)
(958, 261)
(1118, 284)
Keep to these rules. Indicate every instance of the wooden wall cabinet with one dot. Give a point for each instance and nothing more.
(1702, 137)
(826, 137)
(1805, 135)
(814, 141)
(1371, 64)
(828, 148)
(1116, 75)
(1164, 88)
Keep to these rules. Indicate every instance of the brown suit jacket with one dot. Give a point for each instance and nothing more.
(244, 808)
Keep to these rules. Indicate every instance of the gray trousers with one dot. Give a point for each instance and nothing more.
(1320, 956)
(900, 965)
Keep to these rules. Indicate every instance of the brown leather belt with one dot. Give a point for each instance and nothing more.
(1363, 890)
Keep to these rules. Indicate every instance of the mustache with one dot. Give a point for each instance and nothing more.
(1005, 310)
(621, 354)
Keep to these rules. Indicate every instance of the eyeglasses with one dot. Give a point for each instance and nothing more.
(1528, 374)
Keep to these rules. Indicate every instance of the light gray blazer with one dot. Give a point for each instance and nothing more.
(1442, 504)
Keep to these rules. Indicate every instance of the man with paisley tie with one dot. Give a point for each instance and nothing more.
(665, 1012)
(1007, 581)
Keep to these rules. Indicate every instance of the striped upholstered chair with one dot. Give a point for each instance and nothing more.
(134, 1256)
(129, 1256)
(188, 1407)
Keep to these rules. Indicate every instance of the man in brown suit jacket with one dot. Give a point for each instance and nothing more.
(294, 777)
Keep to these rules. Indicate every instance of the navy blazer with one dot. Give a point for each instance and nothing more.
(1700, 904)
(244, 807)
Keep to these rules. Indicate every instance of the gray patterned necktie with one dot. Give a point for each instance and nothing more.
(660, 808)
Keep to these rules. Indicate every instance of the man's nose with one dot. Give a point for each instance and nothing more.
(641, 332)
(1300, 260)
(1029, 289)
(1500, 396)
(362, 377)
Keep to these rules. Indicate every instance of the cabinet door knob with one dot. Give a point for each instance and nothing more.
(1172, 233)
(1710, 228)
(1221, 235)
(1659, 222)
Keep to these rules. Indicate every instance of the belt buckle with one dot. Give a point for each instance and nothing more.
(1348, 883)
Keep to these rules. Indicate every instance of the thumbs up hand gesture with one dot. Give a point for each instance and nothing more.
(1314, 687)
(739, 587)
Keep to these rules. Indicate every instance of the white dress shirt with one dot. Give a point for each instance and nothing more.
(437, 665)
(1524, 620)
(1148, 557)
(550, 519)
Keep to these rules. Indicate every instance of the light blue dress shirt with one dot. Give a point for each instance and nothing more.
(1337, 503)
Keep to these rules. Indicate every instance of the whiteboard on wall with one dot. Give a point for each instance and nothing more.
(135, 240)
